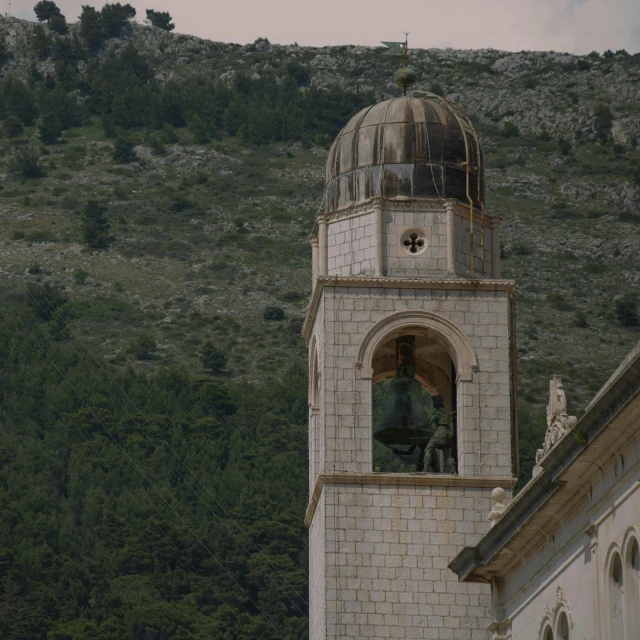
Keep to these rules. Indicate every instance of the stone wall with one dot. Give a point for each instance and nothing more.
(353, 239)
(462, 245)
(484, 400)
(570, 570)
(352, 245)
(396, 261)
(387, 551)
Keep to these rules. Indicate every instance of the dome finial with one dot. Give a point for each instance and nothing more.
(405, 75)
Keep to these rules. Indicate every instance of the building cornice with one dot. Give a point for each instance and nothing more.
(449, 284)
(564, 472)
(402, 479)
(429, 205)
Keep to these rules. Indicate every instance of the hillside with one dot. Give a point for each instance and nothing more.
(218, 176)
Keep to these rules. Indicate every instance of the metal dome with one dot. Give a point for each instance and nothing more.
(412, 147)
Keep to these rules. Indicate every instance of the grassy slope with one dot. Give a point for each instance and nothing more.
(206, 236)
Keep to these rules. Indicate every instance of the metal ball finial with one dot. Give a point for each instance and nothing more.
(405, 77)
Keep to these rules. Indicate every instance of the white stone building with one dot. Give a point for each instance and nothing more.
(563, 559)
(404, 248)
(404, 253)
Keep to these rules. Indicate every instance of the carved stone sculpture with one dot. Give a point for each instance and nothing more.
(558, 421)
(497, 495)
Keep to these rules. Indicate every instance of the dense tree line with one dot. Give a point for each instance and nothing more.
(103, 531)
(121, 89)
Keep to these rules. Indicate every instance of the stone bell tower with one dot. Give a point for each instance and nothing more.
(404, 253)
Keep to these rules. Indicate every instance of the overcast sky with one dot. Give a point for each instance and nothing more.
(577, 26)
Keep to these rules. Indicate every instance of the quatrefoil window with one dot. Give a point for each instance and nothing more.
(413, 242)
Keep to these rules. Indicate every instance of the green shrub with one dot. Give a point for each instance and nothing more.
(200, 129)
(143, 346)
(157, 148)
(558, 301)
(510, 130)
(564, 146)
(629, 216)
(44, 299)
(123, 150)
(213, 358)
(50, 128)
(580, 319)
(80, 275)
(292, 296)
(169, 133)
(26, 162)
(273, 313)
(95, 226)
(12, 127)
(626, 309)
(521, 249)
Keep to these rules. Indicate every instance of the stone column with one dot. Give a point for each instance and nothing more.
(313, 241)
(322, 247)
(495, 247)
(451, 269)
(379, 240)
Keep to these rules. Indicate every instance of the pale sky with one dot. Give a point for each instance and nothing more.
(576, 26)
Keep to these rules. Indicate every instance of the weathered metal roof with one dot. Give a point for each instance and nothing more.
(422, 147)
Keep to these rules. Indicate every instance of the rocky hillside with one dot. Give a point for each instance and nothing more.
(209, 230)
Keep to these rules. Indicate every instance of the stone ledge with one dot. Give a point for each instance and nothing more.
(404, 479)
(365, 282)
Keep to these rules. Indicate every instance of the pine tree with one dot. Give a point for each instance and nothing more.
(50, 128)
(160, 19)
(45, 10)
(58, 24)
(123, 150)
(95, 226)
(91, 27)
(213, 358)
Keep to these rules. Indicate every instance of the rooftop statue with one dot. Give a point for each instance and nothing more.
(558, 421)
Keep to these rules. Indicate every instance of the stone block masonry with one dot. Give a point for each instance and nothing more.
(484, 400)
(380, 544)
(383, 570)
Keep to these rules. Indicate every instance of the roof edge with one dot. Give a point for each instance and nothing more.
(616, 393)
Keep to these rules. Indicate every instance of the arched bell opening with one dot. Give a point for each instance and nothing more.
(414, 404)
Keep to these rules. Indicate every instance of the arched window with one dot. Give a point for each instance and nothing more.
(562, 627)
(616, 598)
(547, 633)
(632, 586)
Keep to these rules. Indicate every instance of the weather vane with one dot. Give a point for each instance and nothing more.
(405, 76)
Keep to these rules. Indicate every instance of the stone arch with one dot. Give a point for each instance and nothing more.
(400, 323)
(562, 624)
(631, 569)
(614, 580)
(547, 630)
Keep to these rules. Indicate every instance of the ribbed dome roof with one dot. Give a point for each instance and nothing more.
(405, 147)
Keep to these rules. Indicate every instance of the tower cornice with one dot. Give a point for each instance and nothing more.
(402, 479)
(452, 284)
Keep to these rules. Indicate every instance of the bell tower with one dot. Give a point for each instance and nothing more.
(412, 376)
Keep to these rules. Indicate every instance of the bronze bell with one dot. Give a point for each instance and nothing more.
(405, 421)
